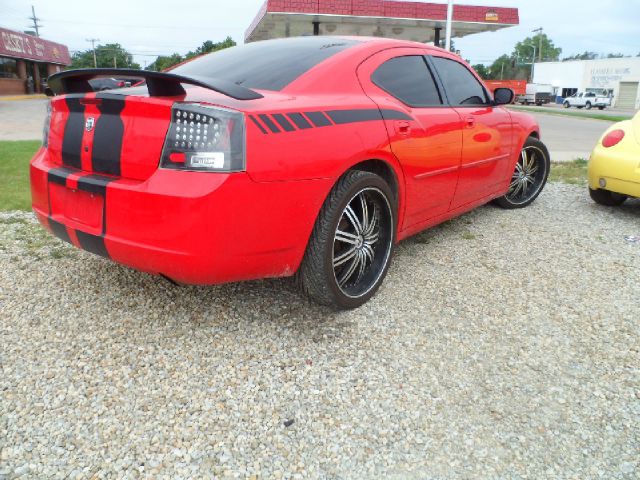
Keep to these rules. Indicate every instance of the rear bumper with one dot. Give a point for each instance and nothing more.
(618, 166)
(194, 227)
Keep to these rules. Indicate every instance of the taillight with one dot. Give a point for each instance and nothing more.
(612, 138)
(204, 138)
(45, 127)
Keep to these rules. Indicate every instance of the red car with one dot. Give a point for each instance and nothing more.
(307, 156)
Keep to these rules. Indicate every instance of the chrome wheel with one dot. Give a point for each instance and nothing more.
(362, 242)
(529, 176)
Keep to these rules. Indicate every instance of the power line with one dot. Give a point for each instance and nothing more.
(35, 19)
(93, 46)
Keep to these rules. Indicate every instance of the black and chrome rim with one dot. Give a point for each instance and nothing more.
(528, 177)
(362, 242)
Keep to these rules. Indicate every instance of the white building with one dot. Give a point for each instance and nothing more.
(618, 75)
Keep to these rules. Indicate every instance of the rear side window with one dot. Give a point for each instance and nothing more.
(409, 80)
(461, 86)
(268, 65)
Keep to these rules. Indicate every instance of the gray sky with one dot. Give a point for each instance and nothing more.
(151, 27)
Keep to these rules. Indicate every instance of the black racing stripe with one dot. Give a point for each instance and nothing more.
(318, 119)
(253, 119)
(340, 117)
(59, 230)
(73, 131)
(284, 123)
(269, 123)
(59, 175)
(389, 114)
(108, 135)
(92, 243)
(299, 120)
(94, 184)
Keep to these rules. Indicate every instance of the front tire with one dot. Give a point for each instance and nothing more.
(606, 197)
(566, 104)
(529, 176)
(352, 242)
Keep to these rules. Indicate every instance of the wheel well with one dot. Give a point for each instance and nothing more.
(382, 169)
(535, 134)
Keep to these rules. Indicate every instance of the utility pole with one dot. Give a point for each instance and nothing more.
(448, 29)
(35, 19)
(93, 46)
(539, 30)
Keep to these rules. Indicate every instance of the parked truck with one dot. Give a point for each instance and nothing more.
(587, 100)
(519, 87)
(537, 93)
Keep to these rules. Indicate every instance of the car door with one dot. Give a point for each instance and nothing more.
(425, 134)
(486, 133)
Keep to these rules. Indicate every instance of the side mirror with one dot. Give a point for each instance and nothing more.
(503, 96)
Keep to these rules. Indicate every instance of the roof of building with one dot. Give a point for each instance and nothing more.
(20, 45)
(383, 18)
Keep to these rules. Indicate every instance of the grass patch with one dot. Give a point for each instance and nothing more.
(573, 113)
(14, 174)
(574, 172)
(468, 236)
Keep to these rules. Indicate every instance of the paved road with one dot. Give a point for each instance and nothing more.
(22, 119)
(566, 137)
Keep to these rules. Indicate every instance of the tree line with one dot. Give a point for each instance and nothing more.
(114, 55)
(517, 64)
(513, 66)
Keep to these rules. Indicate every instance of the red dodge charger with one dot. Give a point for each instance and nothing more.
(307, 156)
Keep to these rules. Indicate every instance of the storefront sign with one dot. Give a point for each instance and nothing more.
(19, 45)
(491, 16)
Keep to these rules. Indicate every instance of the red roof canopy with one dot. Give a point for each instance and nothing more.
(20, 45)
(386, 18)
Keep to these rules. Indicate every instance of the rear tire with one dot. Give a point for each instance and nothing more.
(588, 106)
(529, 177)
(600, 108)
(606, 197)
(352, 242)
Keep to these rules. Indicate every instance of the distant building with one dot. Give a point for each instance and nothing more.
(619, 76)
(26, 61)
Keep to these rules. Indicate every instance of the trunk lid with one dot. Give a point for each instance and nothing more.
(121, 135)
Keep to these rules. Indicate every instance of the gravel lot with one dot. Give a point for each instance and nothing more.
(503, 344)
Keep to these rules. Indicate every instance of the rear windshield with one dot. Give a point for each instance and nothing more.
(268, 65)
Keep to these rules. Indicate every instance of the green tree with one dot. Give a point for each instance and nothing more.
(164, 62)
(549, 52)
(615, 55)
(506, 67)
(586, 55)
(482, 70)
(107, 56)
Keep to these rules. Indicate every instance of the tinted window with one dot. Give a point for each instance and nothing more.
(409, 80)
(461, 86)
(268, 65)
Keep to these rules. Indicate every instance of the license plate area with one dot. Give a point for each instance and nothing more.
(76, 208)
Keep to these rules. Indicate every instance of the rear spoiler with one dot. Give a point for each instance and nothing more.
(159, 84)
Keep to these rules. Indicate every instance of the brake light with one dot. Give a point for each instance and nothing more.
(204, 138)
(612, 138)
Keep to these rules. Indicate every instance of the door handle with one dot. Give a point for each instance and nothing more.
(470, 122)
(403, 127)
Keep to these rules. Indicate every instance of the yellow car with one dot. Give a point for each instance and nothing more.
(614, 165)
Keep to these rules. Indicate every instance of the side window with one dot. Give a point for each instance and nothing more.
(461, 86)
(409, 80)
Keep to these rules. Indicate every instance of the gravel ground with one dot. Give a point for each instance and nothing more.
(503, 344)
